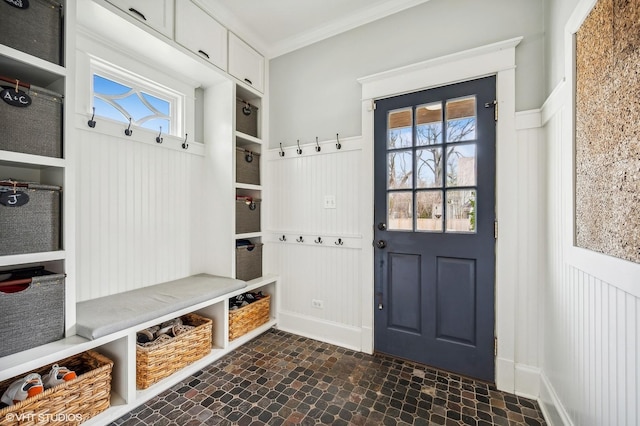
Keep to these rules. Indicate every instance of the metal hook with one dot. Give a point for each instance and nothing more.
(339, 242)
(318, 240)
(299, 150)
(159, 139)
(318, 148)
(91, 123)
(338, 144)
(185, 145)
(283, 238)
(300, 240)
(281, 153)
(128, 130)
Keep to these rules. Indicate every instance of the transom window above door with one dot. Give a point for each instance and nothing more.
(432, 167)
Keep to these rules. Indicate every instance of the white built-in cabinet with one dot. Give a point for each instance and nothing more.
(160, 19)
(245, 63)
(200, 33)
(156, 14)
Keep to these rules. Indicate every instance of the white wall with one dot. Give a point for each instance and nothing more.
(556, 14)
(591, 302)
(314, 91)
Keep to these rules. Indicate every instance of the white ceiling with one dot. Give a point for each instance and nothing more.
(276, 27)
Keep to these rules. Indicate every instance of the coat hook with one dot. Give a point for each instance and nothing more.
(318, 240)
(281, 153)
(159, 139)
(300, 240)
(185, 145)
(299, 150)
(338, 144)
(318, 148)
(283, 238)
(128, 130)
(339, 242)
(91, 123)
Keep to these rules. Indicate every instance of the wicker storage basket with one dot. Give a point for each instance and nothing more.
(72, 402)
(246, 118)
(154, 363)
(249, 262)
(35, 129)
(33, 227)
(243, 320)
(36, 30)
(247, 216)
(247, 166)
(32, 309)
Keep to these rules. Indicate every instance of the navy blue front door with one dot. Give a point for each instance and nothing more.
(435, 162)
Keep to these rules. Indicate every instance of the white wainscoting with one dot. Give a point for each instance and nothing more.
(591, 320)
(135, 213)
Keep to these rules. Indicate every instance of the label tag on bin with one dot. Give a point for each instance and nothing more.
(13, 199)
(16, 98)
(20, 4)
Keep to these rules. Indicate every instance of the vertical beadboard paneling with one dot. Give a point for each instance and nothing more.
(592, 333)
(134, 206)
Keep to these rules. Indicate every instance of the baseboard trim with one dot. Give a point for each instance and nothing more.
(325, 331)
(552, 409)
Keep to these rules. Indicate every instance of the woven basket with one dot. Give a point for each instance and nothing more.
(243, 320)
(72, 402)
(154, 363)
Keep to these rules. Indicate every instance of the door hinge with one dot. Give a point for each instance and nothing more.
(495, 346)
(373, 105)
(495, 229)
(493, 104)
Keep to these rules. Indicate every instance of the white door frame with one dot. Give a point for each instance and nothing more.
(494, 59)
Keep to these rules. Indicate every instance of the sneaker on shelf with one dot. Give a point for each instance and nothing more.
(180, 329)
(24, 388)
(57, 376)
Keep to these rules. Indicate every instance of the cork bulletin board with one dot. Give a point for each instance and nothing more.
(607, 130)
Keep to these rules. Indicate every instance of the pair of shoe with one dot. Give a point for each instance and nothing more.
(242, 300)
(33, 384)
(164, 332)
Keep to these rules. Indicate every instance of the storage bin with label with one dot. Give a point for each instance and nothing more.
(32, 306)
(33, 27)
(246, 118)
(247, 166)
(29, 218)
(248, 260)
(247, 215)
(31, 119)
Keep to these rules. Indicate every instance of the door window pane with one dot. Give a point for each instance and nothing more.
(400, 169)
(461, 210)
(400, 129)
(461, 165)
(429, 168)
(400, 211)
(429, 211)
(461, 119)
(429, 124)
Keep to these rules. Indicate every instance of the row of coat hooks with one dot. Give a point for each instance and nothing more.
(318, 240)
(128, 131)
(318, 148)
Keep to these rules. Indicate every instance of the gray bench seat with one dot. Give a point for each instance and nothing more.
(105, 315)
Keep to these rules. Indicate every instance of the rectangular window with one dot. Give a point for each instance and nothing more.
(122, 96)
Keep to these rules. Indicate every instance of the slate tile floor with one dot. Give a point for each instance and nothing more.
(283, 379)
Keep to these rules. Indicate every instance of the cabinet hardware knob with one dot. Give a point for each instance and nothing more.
(248, 81)
(203, 53)
(132, 10)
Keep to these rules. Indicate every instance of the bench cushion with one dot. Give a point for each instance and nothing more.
(105, 315)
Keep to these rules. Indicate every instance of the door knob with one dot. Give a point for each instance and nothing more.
(382, 226)
(381, 244)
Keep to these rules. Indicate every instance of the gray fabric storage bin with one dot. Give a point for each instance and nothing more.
(35, 129)
(247, 216)
(32, 310)
(247, 166)
(249, 262)
(36, 30)
(246, 118)
(33, 227)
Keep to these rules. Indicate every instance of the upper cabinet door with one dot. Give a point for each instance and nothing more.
(246, 64)
(200, 33)
(157, 14)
